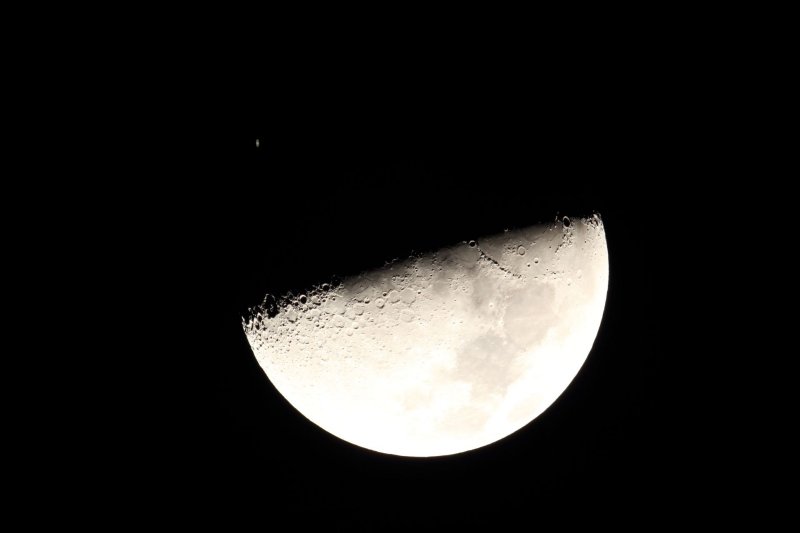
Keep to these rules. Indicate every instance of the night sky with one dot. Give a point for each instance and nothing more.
(331, 192)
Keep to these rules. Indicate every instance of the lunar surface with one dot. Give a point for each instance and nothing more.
(445, 352)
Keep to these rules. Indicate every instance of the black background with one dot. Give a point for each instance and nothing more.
(332, 191)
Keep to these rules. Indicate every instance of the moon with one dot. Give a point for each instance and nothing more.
(442, 352)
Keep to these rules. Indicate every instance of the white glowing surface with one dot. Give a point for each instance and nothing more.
(468, 345)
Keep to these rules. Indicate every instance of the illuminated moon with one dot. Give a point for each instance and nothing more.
(441, 353)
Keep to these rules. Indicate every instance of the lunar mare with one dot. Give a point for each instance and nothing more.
(444, 352)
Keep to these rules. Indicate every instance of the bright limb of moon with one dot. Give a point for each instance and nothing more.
(446, 352)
